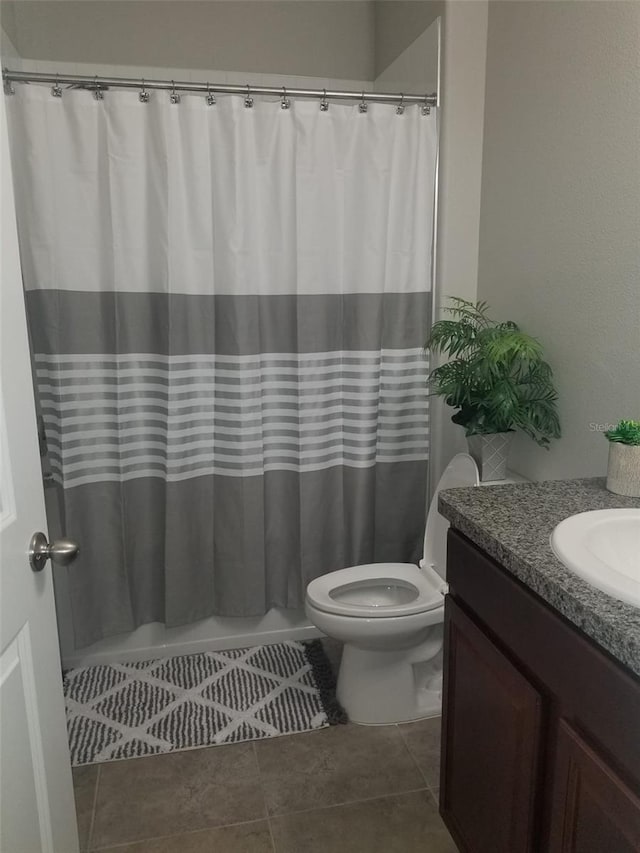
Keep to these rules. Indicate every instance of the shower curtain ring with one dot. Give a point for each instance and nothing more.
(174, 97)
(400, 107)
(56, 89)
(211, 98)
(248, 101)
(426, 108)
(144, 95)
(324, 104)
(285, 103)
(363, 106)
(98, 94)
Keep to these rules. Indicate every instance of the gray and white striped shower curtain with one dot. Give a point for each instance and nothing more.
(227, 309)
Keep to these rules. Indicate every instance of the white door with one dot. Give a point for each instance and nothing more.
(36, 794)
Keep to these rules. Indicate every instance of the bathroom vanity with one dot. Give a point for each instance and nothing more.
(541, 710)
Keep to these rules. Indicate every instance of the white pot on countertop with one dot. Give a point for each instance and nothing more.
(623, 472)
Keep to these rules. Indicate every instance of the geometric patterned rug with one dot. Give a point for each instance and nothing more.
(127, 710)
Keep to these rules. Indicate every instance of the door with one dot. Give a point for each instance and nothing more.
(36, 794)
(491, 743)
(593, 809)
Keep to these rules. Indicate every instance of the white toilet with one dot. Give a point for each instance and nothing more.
(390, 618)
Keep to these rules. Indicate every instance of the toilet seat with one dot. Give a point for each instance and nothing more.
(377, 590)
(390, 619)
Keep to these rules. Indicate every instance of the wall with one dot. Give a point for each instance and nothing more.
(318, 39)
(397, 24)
(8, 51)
(416, 69)
(560, 216)
(464, 45)
(462, 32)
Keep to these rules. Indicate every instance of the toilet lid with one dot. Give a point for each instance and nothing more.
(376, 590)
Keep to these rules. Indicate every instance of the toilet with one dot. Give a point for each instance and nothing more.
(390, 618)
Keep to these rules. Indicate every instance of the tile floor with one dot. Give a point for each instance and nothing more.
(346, 789)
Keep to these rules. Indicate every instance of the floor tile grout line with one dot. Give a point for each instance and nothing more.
(264, 796)
(413, 758)
(411, 755)
(423, 789)
(273, 841)
(121, 844)
(93, 809)
(417, 764)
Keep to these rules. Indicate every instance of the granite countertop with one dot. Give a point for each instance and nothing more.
(512, 523)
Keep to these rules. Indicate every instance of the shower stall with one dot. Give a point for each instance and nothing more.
(228, 290)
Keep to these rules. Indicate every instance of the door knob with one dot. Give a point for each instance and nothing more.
(62, 551)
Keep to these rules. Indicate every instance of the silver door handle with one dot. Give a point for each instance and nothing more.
(62, 551)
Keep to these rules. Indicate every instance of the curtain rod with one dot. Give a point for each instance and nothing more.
(98, 83)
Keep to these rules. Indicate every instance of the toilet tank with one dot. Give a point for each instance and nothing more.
(461, 471)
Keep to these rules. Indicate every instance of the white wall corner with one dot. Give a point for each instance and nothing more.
(463, 72)
(8, 53)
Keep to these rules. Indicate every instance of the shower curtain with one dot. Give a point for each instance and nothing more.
(227, 308)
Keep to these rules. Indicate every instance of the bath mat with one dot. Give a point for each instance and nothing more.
(127, 710)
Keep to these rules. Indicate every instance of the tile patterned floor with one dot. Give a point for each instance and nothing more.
(347, 789)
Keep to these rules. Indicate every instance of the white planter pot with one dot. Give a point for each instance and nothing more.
(623, 473)
(490, 453)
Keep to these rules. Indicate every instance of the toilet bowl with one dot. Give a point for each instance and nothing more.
(390, 618)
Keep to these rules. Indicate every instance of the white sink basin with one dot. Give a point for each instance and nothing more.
(603, 547)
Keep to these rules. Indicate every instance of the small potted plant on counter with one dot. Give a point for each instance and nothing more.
(497, 380)
(623, 471)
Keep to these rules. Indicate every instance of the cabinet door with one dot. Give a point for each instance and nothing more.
(491, 743)
(593, 810)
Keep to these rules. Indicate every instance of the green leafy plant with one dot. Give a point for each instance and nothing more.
(496, 376)
(626, 432)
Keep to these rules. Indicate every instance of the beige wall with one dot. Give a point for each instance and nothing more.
(312, 38)
(397, 24)
(351, 39)
(463, 38)
(8, 21)
(464, 47)
(560, 216)
(8, 51)
(416, 69)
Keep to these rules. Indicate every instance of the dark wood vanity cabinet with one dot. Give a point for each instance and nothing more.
(540, 729)
(490, 704)
(593, 809)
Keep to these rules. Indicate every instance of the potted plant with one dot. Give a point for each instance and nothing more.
(623, 472)
(497, 380)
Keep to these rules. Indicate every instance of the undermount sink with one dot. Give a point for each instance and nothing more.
(603, 547)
